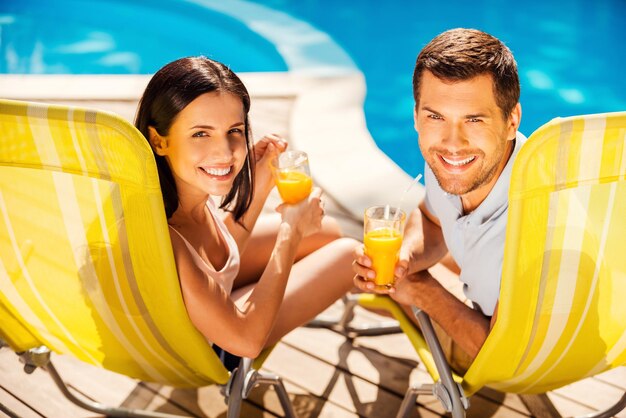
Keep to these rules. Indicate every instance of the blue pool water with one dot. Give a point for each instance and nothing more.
(123, 37)
(571, 59)
(571, 55)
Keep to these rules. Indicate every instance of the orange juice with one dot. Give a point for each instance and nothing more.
(293, 186)
(382, 245)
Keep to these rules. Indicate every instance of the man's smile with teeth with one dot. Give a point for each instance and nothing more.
(458, 163)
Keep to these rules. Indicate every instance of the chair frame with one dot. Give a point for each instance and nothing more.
(242, 380)
(342, 324)
(450, 393)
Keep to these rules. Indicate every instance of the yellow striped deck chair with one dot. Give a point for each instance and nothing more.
(86, 265)
(561, 314)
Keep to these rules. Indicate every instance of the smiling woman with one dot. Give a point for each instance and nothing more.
(194, 113)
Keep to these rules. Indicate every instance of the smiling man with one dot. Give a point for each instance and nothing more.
(467, 112)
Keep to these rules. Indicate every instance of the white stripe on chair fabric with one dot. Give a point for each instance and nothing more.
(8, 288)
(594, 284)
(68, 202)
(568, 278)
(33, 288)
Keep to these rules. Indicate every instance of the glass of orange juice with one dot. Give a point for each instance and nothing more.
(292, 175)
(383, 231)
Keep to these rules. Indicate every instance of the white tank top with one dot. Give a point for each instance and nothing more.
(227, 274)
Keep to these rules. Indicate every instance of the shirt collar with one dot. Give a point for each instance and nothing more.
(497, 199)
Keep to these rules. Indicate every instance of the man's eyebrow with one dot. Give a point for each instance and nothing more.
(476, 116)
(428, 109)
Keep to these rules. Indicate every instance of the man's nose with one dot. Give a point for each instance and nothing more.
(455, 137)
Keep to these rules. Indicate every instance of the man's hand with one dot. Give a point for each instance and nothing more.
(365, 275)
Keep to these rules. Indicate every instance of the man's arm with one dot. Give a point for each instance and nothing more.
(468, 327)
(423, 244)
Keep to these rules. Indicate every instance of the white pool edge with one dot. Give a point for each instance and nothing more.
(327, 121)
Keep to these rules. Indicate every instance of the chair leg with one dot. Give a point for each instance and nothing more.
(279, 387)
(244, 379)
(611, 411)
(410, 397)
(342, 324)
(40, 357)
(235, 390)
(446, 389)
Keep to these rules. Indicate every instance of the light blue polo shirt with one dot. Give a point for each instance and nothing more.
(475, 240)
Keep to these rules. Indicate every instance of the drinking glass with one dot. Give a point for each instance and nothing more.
(292, 176)
(383, 232)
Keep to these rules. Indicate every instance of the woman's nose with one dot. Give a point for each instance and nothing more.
(220, 147)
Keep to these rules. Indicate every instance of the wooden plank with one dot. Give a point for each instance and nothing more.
(387, 371)
(325, 381)
(616, 377)
(568, 407)
(105, 386)
(96, 383)
(398, 345)
(540, 406)
(112, 389)
(592, 393)
(12, 406)
(36, 390)
(305, 404)
(202, 402)
(39, 392)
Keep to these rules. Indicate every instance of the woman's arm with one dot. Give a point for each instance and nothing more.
(244, 331)
(266, 148)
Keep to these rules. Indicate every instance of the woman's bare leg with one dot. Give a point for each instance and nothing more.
(259, 248)
(315, 282)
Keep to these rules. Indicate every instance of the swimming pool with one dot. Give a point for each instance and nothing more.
(571, 56)
(123, 37)
(571, 60)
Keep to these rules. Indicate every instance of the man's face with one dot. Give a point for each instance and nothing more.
(463, 135)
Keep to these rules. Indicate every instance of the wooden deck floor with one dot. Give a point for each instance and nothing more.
(326, 375)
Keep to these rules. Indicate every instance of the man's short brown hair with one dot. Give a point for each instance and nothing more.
(462, 54)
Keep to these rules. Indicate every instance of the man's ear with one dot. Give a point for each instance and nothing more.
(157, 142)
(415, 117)
(514, 120)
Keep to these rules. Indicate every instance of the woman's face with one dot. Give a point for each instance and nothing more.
(206, 145)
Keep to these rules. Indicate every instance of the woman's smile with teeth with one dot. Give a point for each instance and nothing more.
(217, 171)
(458, 163)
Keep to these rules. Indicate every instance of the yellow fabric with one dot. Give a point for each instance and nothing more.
(86, 266)
(561, 316)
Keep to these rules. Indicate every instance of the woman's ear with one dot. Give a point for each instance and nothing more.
(157, 142)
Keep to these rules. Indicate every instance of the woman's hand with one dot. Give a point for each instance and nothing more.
(265, 149)
(269, 146)
(306, 216)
